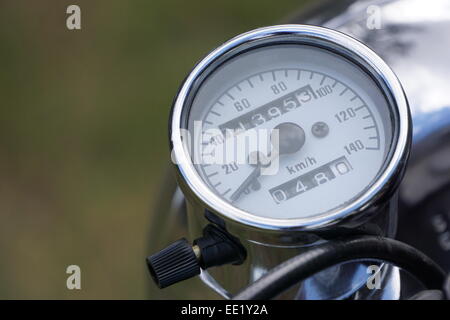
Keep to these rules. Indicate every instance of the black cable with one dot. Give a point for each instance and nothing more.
(335, 252)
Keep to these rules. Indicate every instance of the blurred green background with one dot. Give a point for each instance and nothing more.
(83, 133)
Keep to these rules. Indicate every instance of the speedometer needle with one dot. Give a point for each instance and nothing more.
(247, 182)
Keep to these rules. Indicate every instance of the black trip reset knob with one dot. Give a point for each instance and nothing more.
(181, 260)
(173, 264)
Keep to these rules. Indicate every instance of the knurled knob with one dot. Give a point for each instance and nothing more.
(173, 264)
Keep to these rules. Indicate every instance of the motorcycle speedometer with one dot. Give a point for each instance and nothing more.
(337, 111)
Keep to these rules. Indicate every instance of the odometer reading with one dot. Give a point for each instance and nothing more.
(270, 110)
(310, 180)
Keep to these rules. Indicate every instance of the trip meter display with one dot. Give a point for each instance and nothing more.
(287, 125)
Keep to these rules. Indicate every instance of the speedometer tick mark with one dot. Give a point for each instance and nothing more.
(228, 190)
(334, 84)
(230, 96)
(343, 91)
(250, 83)
(355, 97)
(323, 80)
(273, 76)
(311, 76)
(212, 174)
(216, 113)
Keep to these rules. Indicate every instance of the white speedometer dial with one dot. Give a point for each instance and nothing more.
(288, 128)
(324, 100)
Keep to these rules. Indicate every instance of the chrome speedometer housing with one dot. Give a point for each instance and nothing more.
(367, 202)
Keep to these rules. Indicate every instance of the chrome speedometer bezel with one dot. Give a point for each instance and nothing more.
(197, 190)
